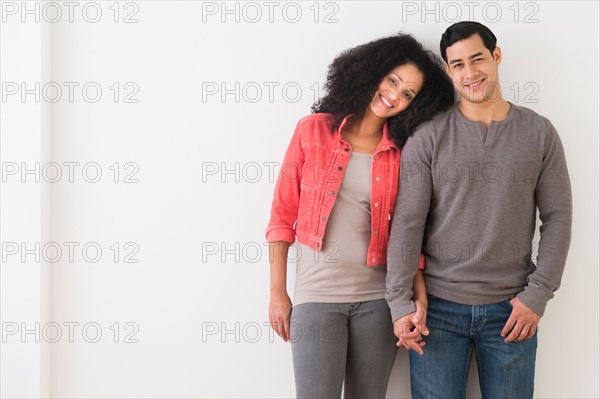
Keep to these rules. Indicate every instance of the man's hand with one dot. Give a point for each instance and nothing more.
(409, 329)
(521, 324)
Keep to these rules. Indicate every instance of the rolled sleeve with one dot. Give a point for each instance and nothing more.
(284, 208)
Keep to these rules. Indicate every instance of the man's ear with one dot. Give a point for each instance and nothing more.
(497, 55)
(447, 68)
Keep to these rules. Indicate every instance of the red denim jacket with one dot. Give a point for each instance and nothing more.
(309, 180)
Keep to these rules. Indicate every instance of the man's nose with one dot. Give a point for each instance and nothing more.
(470, 71)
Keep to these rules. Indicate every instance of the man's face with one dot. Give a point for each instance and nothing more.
(474, 70)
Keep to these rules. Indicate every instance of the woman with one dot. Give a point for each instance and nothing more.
(335, 196)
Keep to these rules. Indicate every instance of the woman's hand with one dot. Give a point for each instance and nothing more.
(410, 328)
(420, 298)
(420, 317)
(280, 306)
(280, 309)
(408, 335)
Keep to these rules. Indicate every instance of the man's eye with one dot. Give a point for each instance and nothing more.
(456, 66)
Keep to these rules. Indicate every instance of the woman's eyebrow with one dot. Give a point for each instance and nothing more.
(402, 80)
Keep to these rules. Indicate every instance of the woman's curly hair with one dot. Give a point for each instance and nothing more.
(355, 75)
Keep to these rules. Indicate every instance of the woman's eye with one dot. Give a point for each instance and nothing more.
(392, 81)
(408, 96)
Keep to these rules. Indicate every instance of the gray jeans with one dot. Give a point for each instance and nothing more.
(342, 344)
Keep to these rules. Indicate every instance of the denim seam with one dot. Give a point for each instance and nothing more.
(345, 359)
(479, 372)
(466, 370)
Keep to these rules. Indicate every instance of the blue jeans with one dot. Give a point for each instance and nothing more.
(506, 370)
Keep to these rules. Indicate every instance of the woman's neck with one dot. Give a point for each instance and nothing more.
(364, 134)
(368, 126)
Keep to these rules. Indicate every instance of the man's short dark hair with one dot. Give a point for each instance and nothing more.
(464, 29)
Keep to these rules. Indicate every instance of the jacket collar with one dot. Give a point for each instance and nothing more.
(385, 143)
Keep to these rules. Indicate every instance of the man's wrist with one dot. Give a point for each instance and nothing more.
(400, 310)
(532, 302)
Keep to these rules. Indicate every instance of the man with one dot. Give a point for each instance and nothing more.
(471, 181)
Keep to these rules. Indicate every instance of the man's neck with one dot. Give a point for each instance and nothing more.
(485, 112)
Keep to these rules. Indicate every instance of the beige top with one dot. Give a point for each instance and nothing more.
(338, 273)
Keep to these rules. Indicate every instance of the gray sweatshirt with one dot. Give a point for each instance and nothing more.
(467, 199)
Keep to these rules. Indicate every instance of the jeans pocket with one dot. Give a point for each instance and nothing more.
(433, 297)
(506, 304)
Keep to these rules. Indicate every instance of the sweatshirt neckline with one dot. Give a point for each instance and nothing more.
(508, 119)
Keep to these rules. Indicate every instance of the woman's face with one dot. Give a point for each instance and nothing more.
(396, 91)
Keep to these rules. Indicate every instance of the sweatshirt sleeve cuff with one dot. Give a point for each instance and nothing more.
(533, 302)
(399, 309)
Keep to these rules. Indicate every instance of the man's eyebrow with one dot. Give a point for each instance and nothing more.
(402, 80)
(471, 57)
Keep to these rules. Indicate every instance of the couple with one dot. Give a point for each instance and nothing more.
(437, 241)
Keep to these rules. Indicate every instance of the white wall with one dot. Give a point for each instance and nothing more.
(20, 209)
(196, 175)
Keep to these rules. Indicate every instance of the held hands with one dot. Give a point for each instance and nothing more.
(521, 324)
(410, 328)
(280, 309)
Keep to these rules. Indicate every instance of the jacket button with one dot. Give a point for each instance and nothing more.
(340, 168)
(346, 149)
(375, 231)
(332, 192)
(323, 218)
(376, 204)
(377, 178)
(373, 260)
